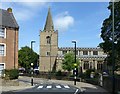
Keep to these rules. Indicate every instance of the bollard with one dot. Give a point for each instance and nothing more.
(75, 75)
(31, 81)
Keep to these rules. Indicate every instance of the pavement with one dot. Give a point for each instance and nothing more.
(24, 83)
(20, 86)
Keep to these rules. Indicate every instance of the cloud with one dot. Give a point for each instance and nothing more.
(63, 21)
(32, 4)
(24, 10)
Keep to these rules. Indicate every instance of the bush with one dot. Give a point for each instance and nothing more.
(88, 72)
(58, 73)
(11, 74)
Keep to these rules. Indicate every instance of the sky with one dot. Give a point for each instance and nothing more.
(80, 21)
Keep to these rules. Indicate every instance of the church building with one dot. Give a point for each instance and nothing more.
(51, 55)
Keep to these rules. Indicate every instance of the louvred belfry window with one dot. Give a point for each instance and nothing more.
(48, 39)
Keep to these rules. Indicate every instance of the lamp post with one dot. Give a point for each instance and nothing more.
(32, 64)
(75, 49)
(75, 69)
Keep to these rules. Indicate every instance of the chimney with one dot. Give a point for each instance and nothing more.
(9, 10)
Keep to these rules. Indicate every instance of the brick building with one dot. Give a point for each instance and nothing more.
(8, 40)
(51, 55)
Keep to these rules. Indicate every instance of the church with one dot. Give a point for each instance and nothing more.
(51, 56)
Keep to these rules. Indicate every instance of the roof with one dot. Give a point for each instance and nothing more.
(7, 19)
(80, 48)
(49, 23)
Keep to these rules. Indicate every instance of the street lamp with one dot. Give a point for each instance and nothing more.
(32, 64)
(32, 44)
(75, 69)
(75, 49)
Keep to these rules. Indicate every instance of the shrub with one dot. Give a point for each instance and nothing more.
(11, 74)
(59, 73)
(88, 72)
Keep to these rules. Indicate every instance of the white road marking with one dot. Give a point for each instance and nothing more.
(40, 87)
(58, 86)
(76, 91)
(66, 86)
(49, 86)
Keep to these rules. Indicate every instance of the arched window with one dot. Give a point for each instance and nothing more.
(86, 65)
(99, 65)
(48, 39)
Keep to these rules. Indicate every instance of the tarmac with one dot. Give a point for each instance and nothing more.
(86, 87)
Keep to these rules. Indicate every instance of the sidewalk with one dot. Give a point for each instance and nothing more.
(19, 86)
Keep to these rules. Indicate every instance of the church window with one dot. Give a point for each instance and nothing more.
(86, 65)
(99, 65)
(64, 52)
(48, 53)
(48, 39)
(95, 52)
(85, 52)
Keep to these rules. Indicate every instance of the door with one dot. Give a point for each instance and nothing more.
(1, 69)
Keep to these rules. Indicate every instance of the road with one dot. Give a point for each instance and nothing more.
(48, 88)
(45, 86)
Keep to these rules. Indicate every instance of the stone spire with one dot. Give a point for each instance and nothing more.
(49, 23)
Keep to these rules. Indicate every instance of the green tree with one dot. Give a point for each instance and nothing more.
(69, 61)
(26, 56)
(107, 35)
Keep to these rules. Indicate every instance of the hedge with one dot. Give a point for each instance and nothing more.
(11, 74)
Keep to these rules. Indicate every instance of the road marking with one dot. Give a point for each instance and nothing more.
(76, 91)
(66, 86)
(49, 86)
(58, 87)
(40, 87)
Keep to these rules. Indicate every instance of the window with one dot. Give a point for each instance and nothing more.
(48, 39)
(76, 52)
(64, 52)
(99, 65)
(2, 50)
(95, 52)
(86, 65)
(2, 33)
(85, 52)
(48, 53)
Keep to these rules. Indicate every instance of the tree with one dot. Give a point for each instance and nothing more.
(107, 35)
(68, 62)
(26, 56)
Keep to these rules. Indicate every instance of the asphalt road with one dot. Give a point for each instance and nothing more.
(48, 88)
(45, 86)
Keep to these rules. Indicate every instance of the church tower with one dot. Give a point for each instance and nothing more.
(48, 45)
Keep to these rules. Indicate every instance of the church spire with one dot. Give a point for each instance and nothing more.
(49, 23)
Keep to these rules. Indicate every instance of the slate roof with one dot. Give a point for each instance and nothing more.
(7, 19)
